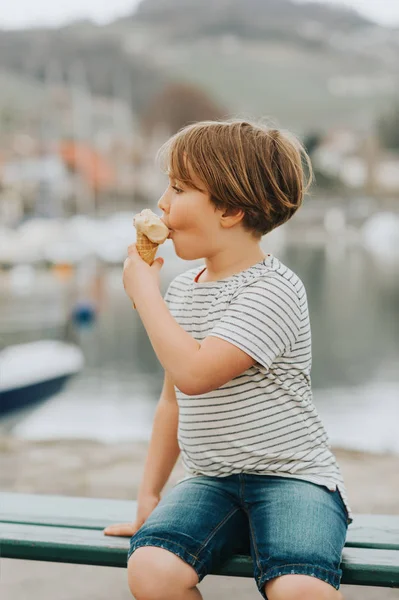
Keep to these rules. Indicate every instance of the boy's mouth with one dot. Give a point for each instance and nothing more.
(170, 230)
(166, 224)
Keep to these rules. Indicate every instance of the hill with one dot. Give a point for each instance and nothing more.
(309, 65)
(251, 19)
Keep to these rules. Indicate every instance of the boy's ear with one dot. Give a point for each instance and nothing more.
(231, 216)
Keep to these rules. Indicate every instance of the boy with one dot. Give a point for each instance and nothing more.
(234, 340)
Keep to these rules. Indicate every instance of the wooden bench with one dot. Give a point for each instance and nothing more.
(69, 530)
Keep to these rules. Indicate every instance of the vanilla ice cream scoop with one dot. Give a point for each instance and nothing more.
(151, 232)
(150, 225)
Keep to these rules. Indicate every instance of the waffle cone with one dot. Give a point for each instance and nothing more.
(146, 248)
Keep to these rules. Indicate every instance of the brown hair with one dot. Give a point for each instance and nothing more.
(244, 166)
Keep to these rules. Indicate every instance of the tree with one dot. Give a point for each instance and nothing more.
(180, 104)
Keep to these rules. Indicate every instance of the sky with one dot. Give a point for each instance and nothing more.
(29, 13)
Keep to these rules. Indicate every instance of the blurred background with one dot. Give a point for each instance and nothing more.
(88, 93)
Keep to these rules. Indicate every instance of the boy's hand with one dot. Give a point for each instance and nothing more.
(144, 509)
(138, 274)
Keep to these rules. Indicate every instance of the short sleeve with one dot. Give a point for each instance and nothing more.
(263, 319)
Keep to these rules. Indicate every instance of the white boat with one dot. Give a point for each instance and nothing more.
(35, 371)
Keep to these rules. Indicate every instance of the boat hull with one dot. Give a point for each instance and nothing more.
(19, 398)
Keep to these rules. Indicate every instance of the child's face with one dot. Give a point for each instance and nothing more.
(192, 218)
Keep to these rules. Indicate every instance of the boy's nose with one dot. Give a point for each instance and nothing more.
(161, 203)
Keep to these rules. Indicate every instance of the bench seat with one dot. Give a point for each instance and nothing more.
(65, 529)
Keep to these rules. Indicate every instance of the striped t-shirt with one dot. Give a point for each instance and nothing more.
(263, 421)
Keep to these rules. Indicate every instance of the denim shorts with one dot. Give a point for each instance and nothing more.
(287, 525)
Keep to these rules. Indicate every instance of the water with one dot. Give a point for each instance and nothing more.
(354, 306)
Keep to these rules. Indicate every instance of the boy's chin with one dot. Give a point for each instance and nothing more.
(187, 254)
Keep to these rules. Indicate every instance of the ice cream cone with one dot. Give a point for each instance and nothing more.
(150, 232)
(146, 248)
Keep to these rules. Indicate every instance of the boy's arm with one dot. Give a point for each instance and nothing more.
(263, 320)
(162, 455)
(190, 366)
(163, 450)
(196, 368)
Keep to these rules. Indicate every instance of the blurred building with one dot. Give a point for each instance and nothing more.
(358, 162)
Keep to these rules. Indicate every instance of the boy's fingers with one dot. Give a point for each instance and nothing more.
(158, 262)
(121, 529)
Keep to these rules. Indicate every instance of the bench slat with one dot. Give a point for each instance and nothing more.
(73, 545)
(89, 513)
(367, 531)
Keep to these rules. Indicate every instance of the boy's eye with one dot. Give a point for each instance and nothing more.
(177, 189)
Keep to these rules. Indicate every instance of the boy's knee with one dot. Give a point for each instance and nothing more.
(300, 587)
(156, 574)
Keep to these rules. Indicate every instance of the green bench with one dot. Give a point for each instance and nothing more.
(69, 530)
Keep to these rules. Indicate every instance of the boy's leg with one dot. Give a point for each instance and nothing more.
(298, 531)
(149, 566)
(300, 587)
(195, 527)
